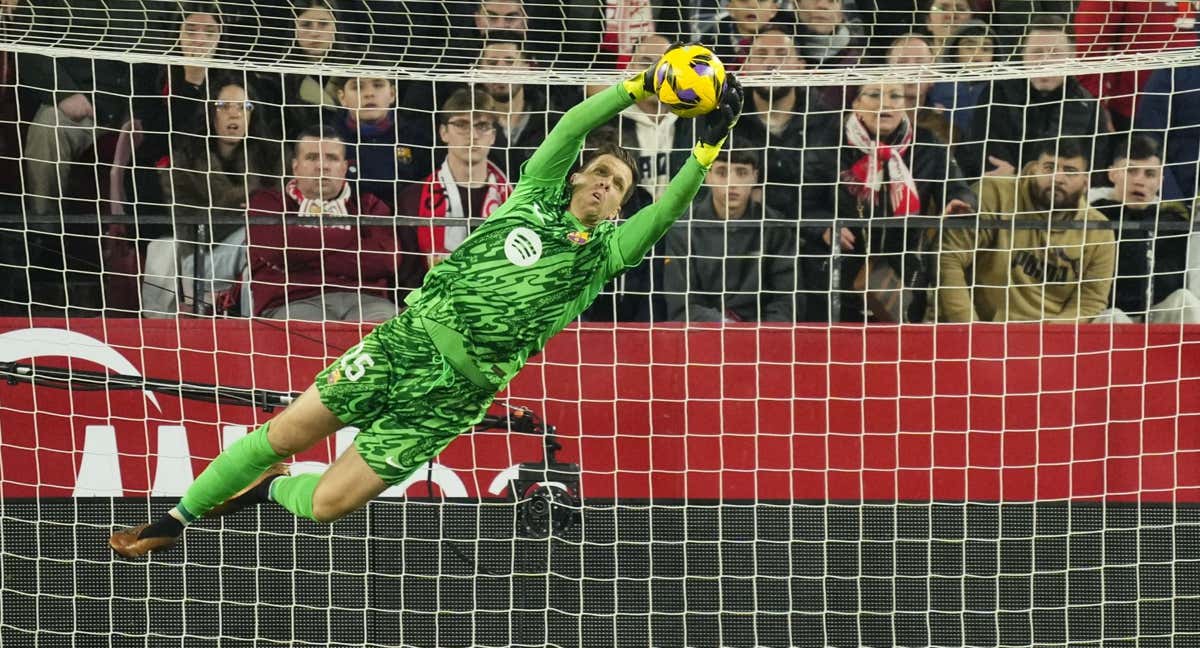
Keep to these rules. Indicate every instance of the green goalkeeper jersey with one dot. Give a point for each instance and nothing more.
(532, 267)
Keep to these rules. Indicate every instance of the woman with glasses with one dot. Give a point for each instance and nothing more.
(206, 180)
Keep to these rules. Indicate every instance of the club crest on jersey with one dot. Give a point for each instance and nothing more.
(579, 238)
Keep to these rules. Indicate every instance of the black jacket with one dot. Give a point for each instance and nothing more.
(1012, 116)
(740, 270)
(780, 156)
(1143, 252)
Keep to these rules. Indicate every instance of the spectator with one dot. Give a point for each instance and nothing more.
(740, 273)
(914, 50)
(735, 29)
(651, 132)
(1151, 265)
(943, 21)
(166, 116)
(294, 101)
(1042, 274)
(387, 148)
(973, 43)
(626, 22)
(210, 176)
(1015, 115)
(825, 36)
(1170, 111)
(774, 120)
(466, 184)
(78, 97)
(522, 110)
(874, 164)
(337, 268)
(1109, 27)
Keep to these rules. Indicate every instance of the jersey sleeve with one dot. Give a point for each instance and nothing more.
(635, 237)
(551, 161)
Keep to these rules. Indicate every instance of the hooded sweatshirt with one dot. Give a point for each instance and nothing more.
(1048, 273)
(654, 144)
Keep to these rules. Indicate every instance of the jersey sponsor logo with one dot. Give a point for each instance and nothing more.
(579, 238)
(523, 247)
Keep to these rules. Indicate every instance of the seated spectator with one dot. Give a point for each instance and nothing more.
(206, 177)
(80, 98)
(387, 148)
(732, 273)
(337, 268)
(1151, 265)
(826, 37)
(626, 22)
(166, 116)
(774, 120)
(1170, 112)
(972, 43)
(1016, 115)
(522, 111)
(874, 164)
(1053, 274)
(467, 184)
(730, 36)
(1111, 27)
(294, 101)
(654, 134)
(944, 19)
(914, 50)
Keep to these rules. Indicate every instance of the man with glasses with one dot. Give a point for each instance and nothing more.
(466, 184)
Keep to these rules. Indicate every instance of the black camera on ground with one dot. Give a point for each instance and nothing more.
(546, 492)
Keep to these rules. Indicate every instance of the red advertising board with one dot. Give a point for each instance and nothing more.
(783, 413)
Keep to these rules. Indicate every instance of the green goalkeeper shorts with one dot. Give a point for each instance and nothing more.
(407, 402)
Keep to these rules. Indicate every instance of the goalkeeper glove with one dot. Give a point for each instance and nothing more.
(719, 122)
(641, 86)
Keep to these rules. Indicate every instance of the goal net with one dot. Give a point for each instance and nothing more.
(918, 365)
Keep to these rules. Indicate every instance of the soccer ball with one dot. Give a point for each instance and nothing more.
(689, 80)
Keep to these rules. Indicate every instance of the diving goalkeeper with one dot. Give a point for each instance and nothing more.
(420, 379)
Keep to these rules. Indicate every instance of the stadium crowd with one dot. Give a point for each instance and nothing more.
(1065, 198)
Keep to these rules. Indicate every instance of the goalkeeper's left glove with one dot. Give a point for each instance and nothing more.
(719, 122)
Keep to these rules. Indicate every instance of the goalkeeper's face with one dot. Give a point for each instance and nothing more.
(598, 190)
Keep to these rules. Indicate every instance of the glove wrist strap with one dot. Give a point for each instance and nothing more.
(706, 154)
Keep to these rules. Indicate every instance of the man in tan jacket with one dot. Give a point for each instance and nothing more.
(1054, 272)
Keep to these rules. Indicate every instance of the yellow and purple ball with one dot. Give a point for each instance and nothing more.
(689, 80)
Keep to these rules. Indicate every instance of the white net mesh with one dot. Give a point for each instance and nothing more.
(843, 402)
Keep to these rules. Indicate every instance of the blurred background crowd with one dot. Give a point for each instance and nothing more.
(125, 187)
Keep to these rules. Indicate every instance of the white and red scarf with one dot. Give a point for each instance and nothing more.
(440, 197)
(336, 206)
(864, 178)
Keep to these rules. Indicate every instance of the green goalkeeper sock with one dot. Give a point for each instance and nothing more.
(230, 472)
(296, 493)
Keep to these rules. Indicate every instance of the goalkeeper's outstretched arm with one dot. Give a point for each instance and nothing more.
(554, 158)
(637, 235)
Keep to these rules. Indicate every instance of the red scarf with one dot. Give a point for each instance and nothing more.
(864, 178)
(440, 196)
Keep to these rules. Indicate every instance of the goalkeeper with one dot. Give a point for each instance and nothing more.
(417, 381)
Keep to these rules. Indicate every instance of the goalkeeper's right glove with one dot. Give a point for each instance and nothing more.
(719, 122)
(641, 86)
